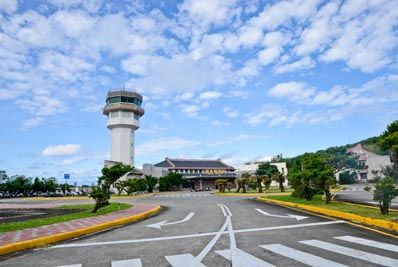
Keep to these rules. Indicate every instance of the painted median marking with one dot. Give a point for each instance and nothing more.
(290, 216)
(158, 225)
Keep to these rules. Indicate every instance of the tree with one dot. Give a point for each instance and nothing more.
(38, 185)
(119, 185)
(50, 184)
(130, 186)
(309, 174)
(101, 193)
(389, 141)
(151, 182)
(171, 181)
(280, 179)
(265, 172)
(242, 181)
(65, 187)
(222, 184)
(347, 177)
(384, 193)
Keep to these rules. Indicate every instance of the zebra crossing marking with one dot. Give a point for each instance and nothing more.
(362, 255)
(238, 257)
(301, 256)
(242, 259)
(368, 242)
(127, 263)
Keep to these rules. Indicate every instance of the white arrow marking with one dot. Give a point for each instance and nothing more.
(297, 217)
(164, 223)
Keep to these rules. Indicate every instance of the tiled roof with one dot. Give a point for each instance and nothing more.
(194, 164)
(356, 149)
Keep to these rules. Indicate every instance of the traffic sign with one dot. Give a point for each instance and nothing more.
(66, 176)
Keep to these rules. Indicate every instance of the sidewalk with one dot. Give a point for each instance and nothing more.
(44, 235)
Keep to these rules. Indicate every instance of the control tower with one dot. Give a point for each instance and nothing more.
(123, 109)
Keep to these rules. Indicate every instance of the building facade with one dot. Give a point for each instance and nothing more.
(123, 111)
(200, 173)
(251, 168)
(372, 163)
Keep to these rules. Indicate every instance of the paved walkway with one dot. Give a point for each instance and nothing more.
(52, 229)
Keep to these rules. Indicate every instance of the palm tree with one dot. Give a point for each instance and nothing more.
(280, 179)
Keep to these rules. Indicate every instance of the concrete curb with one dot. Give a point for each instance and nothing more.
(43, 241)
(387, 225)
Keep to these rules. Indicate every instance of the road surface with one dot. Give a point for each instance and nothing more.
(356, 194)
(200, 229)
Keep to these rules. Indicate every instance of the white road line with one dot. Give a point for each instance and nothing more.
(366, 256)
(158, 225)
(155, 239)
(289, 216)
(367, 242)
(127, 263)
(301, 256)
(184, 260)
(242, 259)
(210, 245)
(223, 210)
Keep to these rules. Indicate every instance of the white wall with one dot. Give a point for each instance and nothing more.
(122, 147)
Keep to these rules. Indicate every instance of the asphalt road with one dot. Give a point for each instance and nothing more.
(356, 194)
(198, 229)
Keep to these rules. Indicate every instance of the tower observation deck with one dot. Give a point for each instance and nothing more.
(123, 109)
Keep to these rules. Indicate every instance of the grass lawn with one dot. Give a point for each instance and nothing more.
(343, 207)
(84, 213)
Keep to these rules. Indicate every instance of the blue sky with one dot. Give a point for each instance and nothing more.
(237, 80)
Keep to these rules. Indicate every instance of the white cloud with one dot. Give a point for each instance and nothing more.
(236, 139)
(273, 42)
(41, 105)
(294, 91)
(33, 122)
(70, 161)
(207, 95)
(365, 41)
(164, 145)
(9, 6)
(320, 31)
(61, 150)
(189, 110)
(302, 64)
(181, 73)
(231, 113)
(208, 12)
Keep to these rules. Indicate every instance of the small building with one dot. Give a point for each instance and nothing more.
(251, 167)
(200, 173)
(372, 163)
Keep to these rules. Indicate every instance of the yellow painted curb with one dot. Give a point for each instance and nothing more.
(391, 226)
(43, 241)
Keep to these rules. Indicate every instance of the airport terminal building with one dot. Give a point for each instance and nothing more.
(200, 173)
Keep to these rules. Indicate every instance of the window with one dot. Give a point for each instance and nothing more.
(127, 114)
(114, 114)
